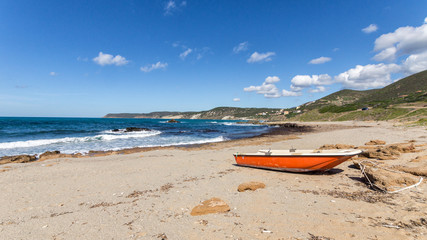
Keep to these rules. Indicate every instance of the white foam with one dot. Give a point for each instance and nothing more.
(239, 124)
(210, 140)
(102, 137)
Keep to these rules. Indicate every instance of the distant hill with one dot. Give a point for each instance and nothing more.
(403, 99)
(409, 89)
(215, 113)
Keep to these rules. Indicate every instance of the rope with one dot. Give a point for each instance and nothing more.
(362, 169)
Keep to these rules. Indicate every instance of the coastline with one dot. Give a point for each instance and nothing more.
(150, 194)
(279, 129)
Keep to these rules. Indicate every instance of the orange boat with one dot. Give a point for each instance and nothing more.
(295, 160)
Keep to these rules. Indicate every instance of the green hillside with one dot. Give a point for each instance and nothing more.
(409, 89)
(405, 99)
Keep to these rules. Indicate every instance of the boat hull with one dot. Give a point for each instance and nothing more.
(291, 163)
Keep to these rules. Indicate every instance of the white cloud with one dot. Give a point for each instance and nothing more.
(318, 89)
(154, 66)
(261, 57)
(307, 80)
(415, 63)
(287, 93)
(172, 6)
(241, 47)
(296, 88)
(370, 29)
(403, 41)
(268, 89)
(53, 74)
(236, 99)
(108, 59)
(184, 54)
(368, 76)
(272, 79)
(320, 60)
(335, 49)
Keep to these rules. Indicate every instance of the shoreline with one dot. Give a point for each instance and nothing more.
(147, 195)
(279, 130)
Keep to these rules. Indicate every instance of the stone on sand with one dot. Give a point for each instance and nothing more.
(250, 186)
(213, 205)
(17, 159)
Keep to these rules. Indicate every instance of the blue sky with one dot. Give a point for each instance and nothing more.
(90, 58)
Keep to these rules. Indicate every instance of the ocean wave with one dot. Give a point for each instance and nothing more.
(102, 137)
(239, 124)
(202, 141)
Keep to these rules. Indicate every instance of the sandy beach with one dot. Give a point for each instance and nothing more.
(149, 195)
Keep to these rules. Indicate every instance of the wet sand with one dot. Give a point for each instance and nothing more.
(150, 194)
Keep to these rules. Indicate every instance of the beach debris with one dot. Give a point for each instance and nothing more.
(381, 153)
(388, 180)
(204, 222)
(213, 205)
(263, 230)
(162, 236)
(250, 186)
(172, 121)
(389, 152)
(420, 159)
(368, 163)
(313, 237)
(376, 142)
(418, 171)
(403, 147)
(336, 146)
(390, 226)
(17, 159)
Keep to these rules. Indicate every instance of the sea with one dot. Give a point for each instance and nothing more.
(30, 135)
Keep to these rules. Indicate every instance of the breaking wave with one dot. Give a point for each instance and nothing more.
(102, 137)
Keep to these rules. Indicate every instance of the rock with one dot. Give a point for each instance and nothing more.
(17, 159)
(136, 129)
(172, 121)
(389, 180)
(255, 122)
(336, 146)
(213, 205)
(49, 155)
(131, 129)
(375, 142)
(250, 186)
